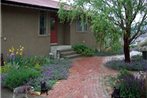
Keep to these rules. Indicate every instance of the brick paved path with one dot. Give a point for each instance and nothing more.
(84, 80)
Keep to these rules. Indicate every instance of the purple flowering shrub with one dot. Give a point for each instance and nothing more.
(36, 82)
(137, 64)
(50, 73)
(129, 86)
(33, 70)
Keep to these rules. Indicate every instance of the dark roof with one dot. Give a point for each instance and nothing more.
(38, 3)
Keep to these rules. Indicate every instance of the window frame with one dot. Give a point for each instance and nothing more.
(45, 23)
(84, 28)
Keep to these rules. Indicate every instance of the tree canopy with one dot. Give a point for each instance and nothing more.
(110, 18)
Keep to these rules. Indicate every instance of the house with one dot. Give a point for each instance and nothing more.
(35, 25)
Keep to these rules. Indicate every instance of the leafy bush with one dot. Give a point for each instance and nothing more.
(33, 73)
(37, 67)
(57, 71)
(6, 68)
(50, 73)
(18, 77)
(36, 83)
(129, 86)
(137, 64)
(83, 49)
(31, 61)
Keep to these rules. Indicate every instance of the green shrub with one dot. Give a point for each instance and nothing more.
(19, 77)
(37, 67)
(31, 61)
(6, 68)
(83, 49)
(36, 83)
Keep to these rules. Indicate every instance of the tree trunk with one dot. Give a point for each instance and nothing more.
(126, 49)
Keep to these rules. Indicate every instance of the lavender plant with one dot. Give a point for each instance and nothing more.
(59, 69)
(137, 64)
(130, 86)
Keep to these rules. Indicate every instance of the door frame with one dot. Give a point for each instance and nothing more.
(53, 15)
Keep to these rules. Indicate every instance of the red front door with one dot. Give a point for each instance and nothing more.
(53, 29)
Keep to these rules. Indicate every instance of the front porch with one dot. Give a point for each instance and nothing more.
(63, 51)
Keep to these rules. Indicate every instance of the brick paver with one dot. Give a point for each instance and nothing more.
(84, 80)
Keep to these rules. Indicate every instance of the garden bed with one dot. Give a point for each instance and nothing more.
(33, 70)
(125, 85)
(136, 64)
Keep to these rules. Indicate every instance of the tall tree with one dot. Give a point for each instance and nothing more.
(110, 17)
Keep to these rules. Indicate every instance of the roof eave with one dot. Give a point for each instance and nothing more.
(28, 6)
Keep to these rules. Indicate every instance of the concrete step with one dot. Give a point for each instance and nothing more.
(65, 50)
(72, 56)
(68, 53)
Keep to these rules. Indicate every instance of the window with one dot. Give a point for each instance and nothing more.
(43, 23)
(81, 27)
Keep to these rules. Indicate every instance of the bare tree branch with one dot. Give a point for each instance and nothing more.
(139, 27)
(136, 10)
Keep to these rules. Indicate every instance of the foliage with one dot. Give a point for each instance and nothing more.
(137, 64)
(16, 58)
(17, 77)
(33, 61)
(104, 34)
(37, 67)
(83, 49)
(50, 73)
(110, 20)
(108, 53)
(36, 83)
(15, 52)
(32, 70)
(129, 86)
(6, 68)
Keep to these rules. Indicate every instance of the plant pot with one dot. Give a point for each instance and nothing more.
(144, 55)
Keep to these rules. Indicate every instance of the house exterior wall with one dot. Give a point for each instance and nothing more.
(60, 33)
(63, 33)
(20, 26)
(82, 37)
(67, 34)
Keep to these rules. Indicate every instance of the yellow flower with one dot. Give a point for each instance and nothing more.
(21, 49)
(16, 52)
(10, 50)
(13, 48)
(20, 53)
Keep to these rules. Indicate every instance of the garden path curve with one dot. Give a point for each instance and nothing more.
(84, 79)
